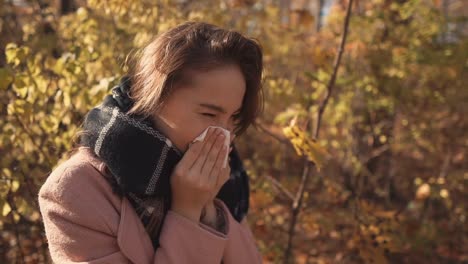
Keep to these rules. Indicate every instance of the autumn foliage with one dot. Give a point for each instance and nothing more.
(388, 173)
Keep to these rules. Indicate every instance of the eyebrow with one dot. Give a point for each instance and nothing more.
(216, 108)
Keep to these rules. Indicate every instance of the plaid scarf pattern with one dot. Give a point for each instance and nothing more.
(140, 160)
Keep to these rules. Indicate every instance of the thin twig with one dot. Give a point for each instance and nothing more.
(280, 187)
(445, 165)
(295, 210)
(307, 164)
(286, 142)
(375, 153)
(273, 135)
(331, 83)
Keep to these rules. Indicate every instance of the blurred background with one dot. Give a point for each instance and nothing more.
(383, 182)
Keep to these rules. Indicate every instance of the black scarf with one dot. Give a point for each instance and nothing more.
(140, 160)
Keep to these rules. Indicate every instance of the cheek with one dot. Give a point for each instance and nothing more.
(192, 128)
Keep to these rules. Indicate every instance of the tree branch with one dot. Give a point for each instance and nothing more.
(336, 65)
(307, 164)
(273, 135)
(280, 187)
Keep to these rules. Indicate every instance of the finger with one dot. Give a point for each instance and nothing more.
(213, 155)
(215, 148)
(191, 155)
(207, 144)
(223, 178)
(193, 152)
(217, 167)
(215, 176)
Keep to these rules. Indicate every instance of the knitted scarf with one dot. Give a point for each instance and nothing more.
(140, 159)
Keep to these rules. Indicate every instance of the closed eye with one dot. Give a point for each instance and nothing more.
(235, 116)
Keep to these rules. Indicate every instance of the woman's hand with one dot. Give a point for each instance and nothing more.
(198, 177)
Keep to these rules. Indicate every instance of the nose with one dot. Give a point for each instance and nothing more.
(230, 128)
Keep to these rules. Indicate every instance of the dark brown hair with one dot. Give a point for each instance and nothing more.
(195, 46)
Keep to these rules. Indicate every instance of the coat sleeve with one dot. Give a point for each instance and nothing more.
(79, 231)
(241, 246)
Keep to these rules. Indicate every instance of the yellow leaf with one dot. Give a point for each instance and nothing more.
(418, 181)
(82, 13)
(6, 172)
(304, 145)
(444, 193)
(66, 100)
(11, 54)
(16, 217)
(423, 192)
(22, 92)
(15, 185)
(6, 209)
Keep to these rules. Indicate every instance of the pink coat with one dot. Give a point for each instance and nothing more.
(85, 222)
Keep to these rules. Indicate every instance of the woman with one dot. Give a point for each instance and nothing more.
(140, 189)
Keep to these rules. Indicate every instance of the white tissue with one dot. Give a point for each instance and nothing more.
(227, 140)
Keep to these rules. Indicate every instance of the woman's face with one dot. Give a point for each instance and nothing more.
(212, 98)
